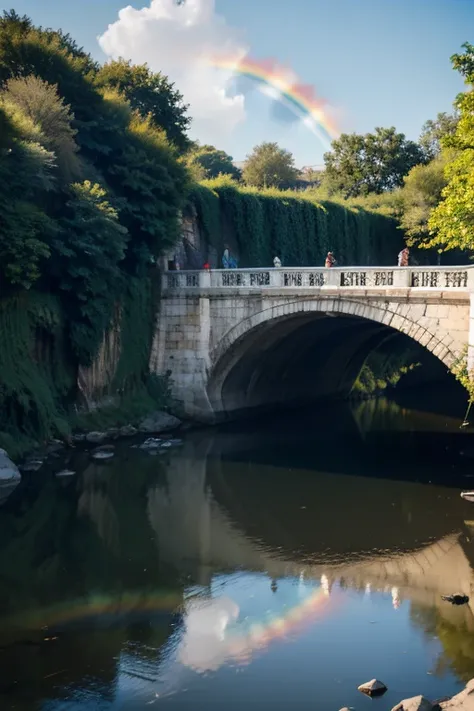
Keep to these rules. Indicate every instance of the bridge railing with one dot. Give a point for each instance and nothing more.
(458, 278)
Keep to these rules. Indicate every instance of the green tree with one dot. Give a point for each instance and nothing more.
(41, 103)
(422, 190)
(207, 162)
(434, 133)
(151, 94)
(26, 177)
(370, 163)
(86, 254)
(452, 221)
(152, 184)
(270, 166)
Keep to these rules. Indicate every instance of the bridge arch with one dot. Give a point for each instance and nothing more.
(241, 357)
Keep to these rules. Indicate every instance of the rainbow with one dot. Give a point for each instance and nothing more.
(282, 85)
(242, 645)
(95, 606)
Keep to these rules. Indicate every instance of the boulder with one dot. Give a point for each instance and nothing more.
(464, 701)
(104, 448)
(415, 703)
(159, 422)
(151, 443)
(374, 687)
(102, 456)
(65, 473)
(33, 464)
(9, 472)
(78, 437)
(128, 431)
(96, 437)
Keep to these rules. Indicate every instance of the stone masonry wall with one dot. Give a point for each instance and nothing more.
(195, 331)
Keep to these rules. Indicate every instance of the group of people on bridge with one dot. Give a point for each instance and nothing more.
(229, 262)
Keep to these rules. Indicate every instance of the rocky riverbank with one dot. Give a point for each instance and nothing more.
(156, 423)
(464, 701)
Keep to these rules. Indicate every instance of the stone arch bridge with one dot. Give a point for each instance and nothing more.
(243, 338)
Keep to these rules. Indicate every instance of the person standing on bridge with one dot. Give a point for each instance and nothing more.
(228, 260)
(330, 261)
(403, 257)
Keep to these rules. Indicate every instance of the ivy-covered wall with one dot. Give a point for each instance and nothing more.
(293, 226)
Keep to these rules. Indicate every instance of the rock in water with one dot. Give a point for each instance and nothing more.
(32, 465)
(65, 473)
(104, 448)
(464, 701)
(96, 437)
(416, 703)
(128, 431)
(10, 476)
(9, 472)
(159, 422)
(374, 687)
(102, 456)
(151, 443)
(456, 599)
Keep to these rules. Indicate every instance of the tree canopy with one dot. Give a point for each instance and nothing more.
(422, 190)
(452, 221)
(207, 162)
(370, 163)
(268, 165)
(92, 189)
(151, 94)
(435, 133)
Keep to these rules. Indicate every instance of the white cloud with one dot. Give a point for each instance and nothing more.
(176, 39)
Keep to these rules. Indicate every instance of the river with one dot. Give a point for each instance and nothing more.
(273, 564)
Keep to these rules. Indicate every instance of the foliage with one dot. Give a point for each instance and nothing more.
(435, 133)
(384, 368)
(452, 221)
(422, 190)
(25, 176)
(34, 380)
(293, 225)
(151, 95)
(152, 185)
(139, 305)
(270, 166)
(463, 375)
(92, 193)
(207, 162)
(86, 255)
(370, 163)
(40, 102)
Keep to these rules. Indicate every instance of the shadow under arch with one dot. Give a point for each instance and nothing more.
(309, 349)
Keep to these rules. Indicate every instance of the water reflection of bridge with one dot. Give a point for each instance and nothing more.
(365, 534)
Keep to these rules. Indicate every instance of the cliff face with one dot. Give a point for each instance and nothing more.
(95, 382)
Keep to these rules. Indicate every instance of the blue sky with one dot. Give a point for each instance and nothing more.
(378, 62)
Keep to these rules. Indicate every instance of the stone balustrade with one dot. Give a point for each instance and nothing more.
(441, 278)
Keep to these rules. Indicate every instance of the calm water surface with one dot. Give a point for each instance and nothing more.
(273, 565)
